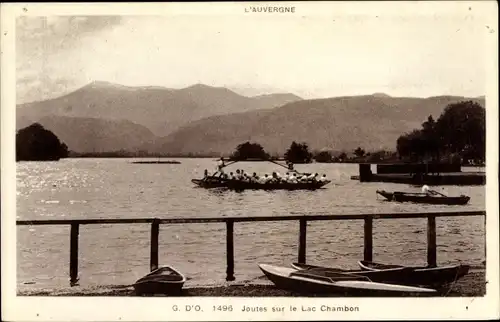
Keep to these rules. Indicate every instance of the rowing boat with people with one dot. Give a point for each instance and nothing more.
(240, 180)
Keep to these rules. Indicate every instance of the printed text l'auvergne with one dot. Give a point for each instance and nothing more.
(274, 9)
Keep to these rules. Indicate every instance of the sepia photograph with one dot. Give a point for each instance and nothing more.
(249, 160)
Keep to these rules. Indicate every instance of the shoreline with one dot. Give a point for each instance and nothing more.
(471, 285)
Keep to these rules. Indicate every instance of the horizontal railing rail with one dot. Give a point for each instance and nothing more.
(230, 221)
(248, 219)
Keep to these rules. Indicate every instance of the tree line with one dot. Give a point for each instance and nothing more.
(458, 135)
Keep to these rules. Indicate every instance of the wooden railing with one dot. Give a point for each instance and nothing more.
(230, 221)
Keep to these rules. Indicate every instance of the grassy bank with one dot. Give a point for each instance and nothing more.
(474, 284)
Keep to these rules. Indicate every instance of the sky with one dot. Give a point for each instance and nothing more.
(313, 57)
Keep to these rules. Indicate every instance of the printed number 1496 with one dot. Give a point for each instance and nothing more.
(223, 308)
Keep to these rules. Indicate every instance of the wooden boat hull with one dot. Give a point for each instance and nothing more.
(423, 198)
(210, 183)
(397, 275)
(337, 283)
(164, 280)
(243, 185)
(429, 276)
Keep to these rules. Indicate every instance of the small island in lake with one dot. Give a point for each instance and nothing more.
(156, 162)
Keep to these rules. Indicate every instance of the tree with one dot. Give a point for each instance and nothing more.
(298, 153)
(249, 150)
(359, 152)
(460, 130)
(323, 156)
(342, 157)
(35, 143)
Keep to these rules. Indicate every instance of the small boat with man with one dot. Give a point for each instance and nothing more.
(427, 196)
(241, 180)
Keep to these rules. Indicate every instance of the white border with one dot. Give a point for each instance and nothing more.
(158, 309)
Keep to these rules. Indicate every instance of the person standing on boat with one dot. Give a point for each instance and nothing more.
(220, 164)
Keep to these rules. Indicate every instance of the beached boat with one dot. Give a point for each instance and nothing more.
(397, 275)
(417, 197)
(423, 275)
(164, 280)
(302, 281)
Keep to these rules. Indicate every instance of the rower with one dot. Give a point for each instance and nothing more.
(427, 190)
(323, 178)
(205, 173)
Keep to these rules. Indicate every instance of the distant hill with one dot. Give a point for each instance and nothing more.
(162, 110)
(97, 135)
(343, 123)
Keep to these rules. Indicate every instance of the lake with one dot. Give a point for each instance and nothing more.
(119, 254)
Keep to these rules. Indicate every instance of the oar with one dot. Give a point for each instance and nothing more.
(439, 193)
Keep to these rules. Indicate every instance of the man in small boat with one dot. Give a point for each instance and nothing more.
(428, 191)
(205, 174)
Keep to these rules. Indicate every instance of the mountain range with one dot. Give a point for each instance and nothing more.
(160, 109)
(201, 119)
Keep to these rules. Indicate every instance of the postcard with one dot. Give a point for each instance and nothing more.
(249, 161)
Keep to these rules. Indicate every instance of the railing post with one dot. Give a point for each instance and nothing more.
(155, 232)
(230, 250)
(73, 254)
(368, 236)
(302, 241)
(431, 241)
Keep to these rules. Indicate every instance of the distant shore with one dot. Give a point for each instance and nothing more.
(354, 161)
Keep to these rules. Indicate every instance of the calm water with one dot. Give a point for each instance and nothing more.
(119, 254)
